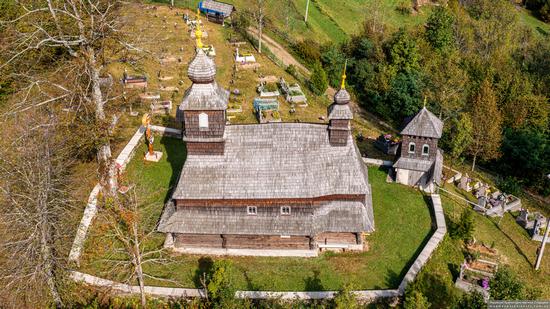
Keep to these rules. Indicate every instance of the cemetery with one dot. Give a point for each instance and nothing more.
(486, 199)
(293, 93)
(534, 223)
(476, 273)
(267, 110)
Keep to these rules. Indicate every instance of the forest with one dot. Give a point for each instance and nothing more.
(483, 72)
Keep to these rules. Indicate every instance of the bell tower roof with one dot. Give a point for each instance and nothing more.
(202, 69)
(340, 109)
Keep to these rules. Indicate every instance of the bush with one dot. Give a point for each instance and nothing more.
(510, 185)
(414, 299)
(219, 286)
(506, 286)
(472, 300)
(345, 299)
(404, 7)
(309, 50)
(464, 229)
(291, 69)
(318, 82)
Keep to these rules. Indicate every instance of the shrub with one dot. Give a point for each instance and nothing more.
(309, 50)
(510, 185)
(219, 286)
(318, 82)
(414, 299)
(291, 69)
(404, 7)
(345, 299)
(472, 300)
(506, 286)
(464, 229)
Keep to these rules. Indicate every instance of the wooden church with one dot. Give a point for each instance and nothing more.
(276, 189)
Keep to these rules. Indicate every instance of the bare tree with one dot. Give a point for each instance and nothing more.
(124, 225)
(83, 30)
(34, 205)
(259, 15)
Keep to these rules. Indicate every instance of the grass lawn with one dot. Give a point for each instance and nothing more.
(402, 220)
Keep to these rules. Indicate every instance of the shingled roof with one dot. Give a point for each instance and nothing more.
(205, 97)
(424, 124)
(335, 216)
(276, 160)
(225, 8)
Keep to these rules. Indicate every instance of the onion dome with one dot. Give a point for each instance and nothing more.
(342, 96)
(202, 69)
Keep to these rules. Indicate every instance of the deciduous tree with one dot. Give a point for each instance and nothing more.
(487, 125)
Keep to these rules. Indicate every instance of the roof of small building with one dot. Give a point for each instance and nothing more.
(339, 111)
(204, 97)
(225, 8)
(424, 124)
(275, 160)
(334, 216)
(413, 164)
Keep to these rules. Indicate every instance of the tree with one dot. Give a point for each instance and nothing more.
(80, 32)
(506, 286)
(446, 83)
(121, 223)
(458, 136)
(405, 96)
(402, 52)
(34, 206)
(473, 300)
(318, 82)
(259, 15)
(487, 125)
(345, 299)
(439, 29)
(333, 60)
(526, 154)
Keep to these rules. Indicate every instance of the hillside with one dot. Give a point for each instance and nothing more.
(335, 21)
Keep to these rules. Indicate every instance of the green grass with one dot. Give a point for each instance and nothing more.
(514, 246)
(402, 220)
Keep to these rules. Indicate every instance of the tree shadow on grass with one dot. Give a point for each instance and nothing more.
(393, 279)
(205, 267)
(440, 293)
(516, 246)
(250, 286)
(313, 283)
(176, 153)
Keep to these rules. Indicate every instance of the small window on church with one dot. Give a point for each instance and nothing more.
(411, 148)
(425, 150)
(203, 121)
(285, 210)
(252, 210)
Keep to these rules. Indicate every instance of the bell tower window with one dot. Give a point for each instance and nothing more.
(425, 150)
(203, 121)
(412, 147)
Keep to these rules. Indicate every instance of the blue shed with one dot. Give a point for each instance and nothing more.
(216, 11)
